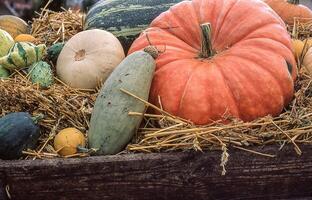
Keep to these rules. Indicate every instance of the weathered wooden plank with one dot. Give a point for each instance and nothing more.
(165, 176)
(3, 195)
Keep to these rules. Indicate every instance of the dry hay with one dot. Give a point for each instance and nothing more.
(166, 133)
(301, 30)
(61, 106)
(51, 27)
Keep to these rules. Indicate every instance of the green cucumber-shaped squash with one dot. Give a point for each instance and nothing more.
(126, 19)
(111, 128)
(41, 73)
(54, 51)
(18, 132)
(22, 55)
(4, 73)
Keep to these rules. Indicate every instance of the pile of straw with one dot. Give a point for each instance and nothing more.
(163, 133)
(61, 106)
(301, 29)
(52, 27)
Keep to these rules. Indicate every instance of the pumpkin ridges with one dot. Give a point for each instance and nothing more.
(205, 98)
(235, 33)
(236, 111)
(267, 51)
(279, 74)
(247, 106)
(176, 24)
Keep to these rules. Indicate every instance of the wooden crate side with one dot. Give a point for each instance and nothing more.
(164, 176)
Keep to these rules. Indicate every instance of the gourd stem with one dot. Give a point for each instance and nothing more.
(206, 46)
(37, 118)
(81, 149)
(295, 2)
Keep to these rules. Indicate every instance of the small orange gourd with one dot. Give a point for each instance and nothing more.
(25, 38)
(68, 140)
(288, 10)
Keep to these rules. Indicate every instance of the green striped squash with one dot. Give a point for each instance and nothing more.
(22, 55)
(6, 42)
(125, 18)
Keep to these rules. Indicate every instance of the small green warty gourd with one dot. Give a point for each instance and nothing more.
(41, 73)
(22, 55)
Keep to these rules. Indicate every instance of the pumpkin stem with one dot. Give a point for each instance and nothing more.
(37, 118)
(152, 50)
(295, 2)
(206, 46)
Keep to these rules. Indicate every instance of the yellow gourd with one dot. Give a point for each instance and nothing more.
(25, 38)
(297, 47)
(67, 141)
(307, 61)
(13, 25)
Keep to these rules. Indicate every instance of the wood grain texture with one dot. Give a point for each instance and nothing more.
(164, 176)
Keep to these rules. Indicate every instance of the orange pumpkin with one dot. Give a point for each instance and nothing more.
(289, 9)
(243, 66)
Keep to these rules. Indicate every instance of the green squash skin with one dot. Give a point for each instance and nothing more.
(126, 19)
(4, 73)
(111, 128)
(18, 132)
(6, 42)
(22, 55)
(54, 51)
(41, 73)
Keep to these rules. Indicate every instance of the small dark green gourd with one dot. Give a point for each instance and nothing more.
(54, 51)
(18, 132)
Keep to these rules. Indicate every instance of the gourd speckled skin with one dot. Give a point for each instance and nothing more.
(54, 51)
(22, 55)
(4, 73)
(41, 73)
(125, 18)
(111, 128)
(18, 132)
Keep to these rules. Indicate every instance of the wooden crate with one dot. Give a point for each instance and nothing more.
(191, 175)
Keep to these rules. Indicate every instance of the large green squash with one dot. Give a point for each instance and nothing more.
(125, 18)
(111, 128)
(18, 132)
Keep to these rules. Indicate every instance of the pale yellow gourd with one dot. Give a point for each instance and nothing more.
(67, 141)
(307, 61)
(297, 47)
(88, 58)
